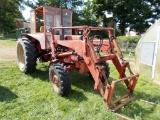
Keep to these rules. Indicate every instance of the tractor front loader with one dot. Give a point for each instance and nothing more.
(83, 52)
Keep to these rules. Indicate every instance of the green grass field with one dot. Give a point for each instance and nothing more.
(30, 96)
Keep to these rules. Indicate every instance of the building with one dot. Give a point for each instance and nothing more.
(148, 53)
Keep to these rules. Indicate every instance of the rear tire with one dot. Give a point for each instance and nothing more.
(59, 79)
(26, 55)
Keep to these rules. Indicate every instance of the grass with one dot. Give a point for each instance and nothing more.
(30, 96)
(10, 42)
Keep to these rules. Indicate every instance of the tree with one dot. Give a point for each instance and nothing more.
(73, 5)
(9, 10)
(87, 17)
(136, 14)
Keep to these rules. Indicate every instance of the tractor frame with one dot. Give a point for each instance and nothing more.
(55, 42)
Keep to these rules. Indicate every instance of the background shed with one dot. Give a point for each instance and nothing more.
(148, 53)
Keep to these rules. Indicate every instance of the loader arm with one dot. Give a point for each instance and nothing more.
(98, 71)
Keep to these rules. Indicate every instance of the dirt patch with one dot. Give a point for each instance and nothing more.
(7, 53)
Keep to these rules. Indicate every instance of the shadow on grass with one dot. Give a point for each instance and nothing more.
(6, 94)
(84, 82)
(77, 96)
(81, 81)
(42, 72)
(139, 109)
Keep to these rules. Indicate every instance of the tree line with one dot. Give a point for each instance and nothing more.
(135, 14)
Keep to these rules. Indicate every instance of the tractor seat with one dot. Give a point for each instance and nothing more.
(42, 29)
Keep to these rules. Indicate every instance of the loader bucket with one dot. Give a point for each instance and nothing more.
(110, 90)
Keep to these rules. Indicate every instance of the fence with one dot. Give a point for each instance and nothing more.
(128, 47)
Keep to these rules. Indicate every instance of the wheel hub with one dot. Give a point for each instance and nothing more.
(21, 56)
(55, 82)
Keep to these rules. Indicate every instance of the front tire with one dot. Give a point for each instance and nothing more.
(26, 55)
(59, 79)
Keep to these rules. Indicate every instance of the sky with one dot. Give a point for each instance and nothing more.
(26, 12)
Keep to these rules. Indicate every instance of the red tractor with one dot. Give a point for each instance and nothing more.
(52, 39)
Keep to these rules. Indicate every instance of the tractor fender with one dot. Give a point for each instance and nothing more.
(38, 38)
